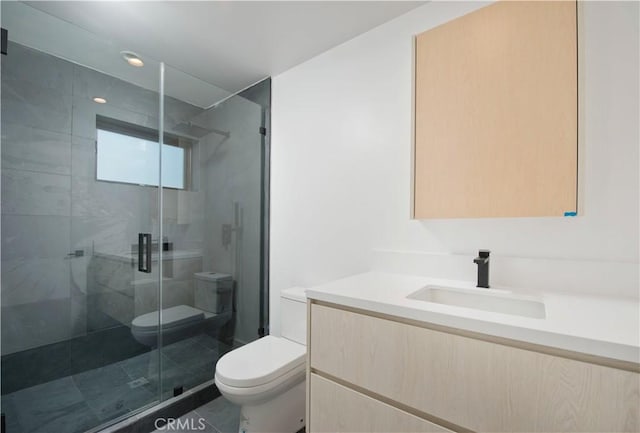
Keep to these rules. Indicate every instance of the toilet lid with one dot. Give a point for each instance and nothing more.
(260, 362)
(173, 316)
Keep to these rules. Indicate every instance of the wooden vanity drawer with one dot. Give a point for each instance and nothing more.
(474, 384)
(336, 408)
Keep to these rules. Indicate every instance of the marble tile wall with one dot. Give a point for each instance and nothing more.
(36, 200)
(231, 168)
(52, 204)
(26, 148)
(118, 293)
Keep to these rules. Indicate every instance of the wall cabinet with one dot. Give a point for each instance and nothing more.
(365, 371)
(496, 113)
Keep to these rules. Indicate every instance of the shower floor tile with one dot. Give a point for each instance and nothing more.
(77, 418)
(74, 404)
(145, 365)
(190, 353)
(8, 407)
(94, 382)
(109, 393)
(178, 376)
(56, 406)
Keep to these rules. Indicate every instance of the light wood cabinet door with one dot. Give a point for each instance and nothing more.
(472, 384)
(496, 113)
(336, 408)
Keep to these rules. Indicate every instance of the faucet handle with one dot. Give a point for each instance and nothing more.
(484, 253)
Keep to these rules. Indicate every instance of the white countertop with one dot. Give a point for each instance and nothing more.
(595, 325)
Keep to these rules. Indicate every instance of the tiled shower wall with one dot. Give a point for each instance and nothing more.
(231, 170)
(52, 204)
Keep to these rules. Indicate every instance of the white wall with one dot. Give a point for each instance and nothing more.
(341, 169)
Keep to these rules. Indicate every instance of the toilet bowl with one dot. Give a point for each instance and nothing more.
(212, 310)
(178, 323)
(267, 377)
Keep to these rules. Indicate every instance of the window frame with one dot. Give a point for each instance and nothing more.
(137, 131)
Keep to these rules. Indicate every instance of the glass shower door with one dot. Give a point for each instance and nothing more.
(115, 219)
(80, 180)
(109, 230)
(213, 218)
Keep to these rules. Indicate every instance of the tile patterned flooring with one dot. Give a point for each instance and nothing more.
(76, 403)
(217, 416)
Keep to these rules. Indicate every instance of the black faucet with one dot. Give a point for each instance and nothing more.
(483, 268)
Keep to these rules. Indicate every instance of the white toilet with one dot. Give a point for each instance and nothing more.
(213, 294)
(267, 377)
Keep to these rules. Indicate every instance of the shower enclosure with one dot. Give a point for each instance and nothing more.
(134, 221)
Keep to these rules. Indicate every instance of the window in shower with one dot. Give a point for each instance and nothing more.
(128, 153)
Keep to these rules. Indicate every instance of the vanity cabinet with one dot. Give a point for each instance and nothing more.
(370, 372)
(496, 113)
(339, 408)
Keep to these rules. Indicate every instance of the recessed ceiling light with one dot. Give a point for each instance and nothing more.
(99, 100)
(132, 59)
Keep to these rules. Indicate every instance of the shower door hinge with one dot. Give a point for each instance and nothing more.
(5, 41)
(263, 130)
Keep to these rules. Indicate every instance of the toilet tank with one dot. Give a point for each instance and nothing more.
(213, 292)
(293, 309)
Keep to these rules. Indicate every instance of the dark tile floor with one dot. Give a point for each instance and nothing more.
(81, 401)
(58, 360)
(217, 416)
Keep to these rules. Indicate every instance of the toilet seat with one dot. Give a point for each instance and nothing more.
(180, 315)
(260, 370)
(261, 362)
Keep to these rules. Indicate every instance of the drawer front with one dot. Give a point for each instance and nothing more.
(474, 384)
(336, 408)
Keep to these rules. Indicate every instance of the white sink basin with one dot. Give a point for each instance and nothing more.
(482, 299)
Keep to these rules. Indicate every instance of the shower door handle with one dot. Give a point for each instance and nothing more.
(144, 252)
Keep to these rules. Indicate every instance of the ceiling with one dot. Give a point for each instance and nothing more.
(231, 44)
